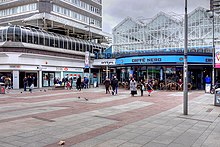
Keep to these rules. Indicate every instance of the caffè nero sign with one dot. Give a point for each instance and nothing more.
(144, 60)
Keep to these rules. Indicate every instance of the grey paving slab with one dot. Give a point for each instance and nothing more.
(127, 136)
(111, 143)
(17, 143)
(142, 139)
(164, 139)
(153, 134)
(107, 136)
(89, 143)
(154, 144)
(177, 145)
(128, 144)
(35, 144)
(3, 144)
(212, 140)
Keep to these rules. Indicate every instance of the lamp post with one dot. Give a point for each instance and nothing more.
(90, 49)
(185, 68)
(213, 48)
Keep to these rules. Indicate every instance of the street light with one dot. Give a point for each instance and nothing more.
(185, 68)
(213, 48)
(90, 49)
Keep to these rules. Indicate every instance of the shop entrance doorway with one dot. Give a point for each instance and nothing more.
(26, 74)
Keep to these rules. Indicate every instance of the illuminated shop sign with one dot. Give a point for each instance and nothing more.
(147, 60)
(163, 59)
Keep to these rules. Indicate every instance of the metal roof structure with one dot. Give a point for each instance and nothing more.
(166, 31)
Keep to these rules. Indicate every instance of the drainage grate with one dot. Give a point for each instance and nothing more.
(209, 110)
(202, 120)
(43, 119)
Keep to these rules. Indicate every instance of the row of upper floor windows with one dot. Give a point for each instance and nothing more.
(85, 6)
(76, 15)
(40, 37)
(18, 9)
(75, 1)
(98, 1)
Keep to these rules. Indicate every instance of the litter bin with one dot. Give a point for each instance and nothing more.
(2, 88)
(217, 97)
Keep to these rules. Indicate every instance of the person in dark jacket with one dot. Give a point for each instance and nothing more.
(78, 83)
(107, 83)
(114, 83)
(30, 82)
(25, 81)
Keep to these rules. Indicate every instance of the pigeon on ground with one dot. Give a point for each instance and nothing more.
(86, 99)
(78, 97)
(44, 90)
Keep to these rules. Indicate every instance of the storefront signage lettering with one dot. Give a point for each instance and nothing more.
(15, 66)
(107, 62)
(208, 60)
(147, 60)
(65, 68)
(59, 68)
(177, 59)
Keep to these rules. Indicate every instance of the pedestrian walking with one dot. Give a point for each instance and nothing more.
(78, 83)
(25, 81)
(86, 82)
(68, 85)
(30, 82)
(114, 83)
(142, 87)
(207, 84)
(133, 87)
(107, 83)
(149, 88)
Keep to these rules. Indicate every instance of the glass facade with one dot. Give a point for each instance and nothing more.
(41, 37)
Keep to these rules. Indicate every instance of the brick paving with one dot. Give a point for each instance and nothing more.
(44, 117)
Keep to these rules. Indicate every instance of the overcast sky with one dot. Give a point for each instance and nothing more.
(114, 11)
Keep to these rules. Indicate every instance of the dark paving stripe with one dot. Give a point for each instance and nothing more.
(43, 119)
(201, 120)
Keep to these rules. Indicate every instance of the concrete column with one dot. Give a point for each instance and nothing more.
(40, 79)
(15, 79)
(61, 76)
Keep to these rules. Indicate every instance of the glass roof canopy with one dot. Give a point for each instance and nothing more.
(166, 31)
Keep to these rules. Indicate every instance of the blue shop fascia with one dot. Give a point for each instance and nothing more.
(165, 67)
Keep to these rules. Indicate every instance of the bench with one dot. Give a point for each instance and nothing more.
(58, 88)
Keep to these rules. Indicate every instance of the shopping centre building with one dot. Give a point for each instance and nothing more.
(50, 40)
(154, 48)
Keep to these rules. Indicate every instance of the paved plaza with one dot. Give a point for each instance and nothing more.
(91, 118)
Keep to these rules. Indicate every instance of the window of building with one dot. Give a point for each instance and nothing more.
(30, 40)
(10, 34)
(17, 34)
(24, 35)
(17, 10)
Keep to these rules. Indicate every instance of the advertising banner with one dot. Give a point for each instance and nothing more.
(87, 60)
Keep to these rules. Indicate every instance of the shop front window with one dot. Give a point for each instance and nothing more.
(48, 79)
